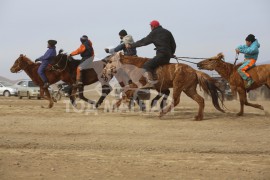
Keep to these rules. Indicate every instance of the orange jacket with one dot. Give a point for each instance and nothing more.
(81, 49)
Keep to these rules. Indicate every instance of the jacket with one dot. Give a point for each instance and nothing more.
(161, 38)
(85, 50)
(252, 51)
(128, 52)
(49, 54)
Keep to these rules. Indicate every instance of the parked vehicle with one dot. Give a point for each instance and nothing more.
(27, 88)
(7, 89)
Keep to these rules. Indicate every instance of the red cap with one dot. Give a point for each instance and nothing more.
(154, 23)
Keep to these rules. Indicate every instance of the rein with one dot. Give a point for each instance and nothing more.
(178, 58)
(57, 65)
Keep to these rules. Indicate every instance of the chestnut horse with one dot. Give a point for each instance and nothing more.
(25, 64)
(260, 74)
(180, 77)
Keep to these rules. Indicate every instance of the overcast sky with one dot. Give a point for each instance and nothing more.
(202, 28)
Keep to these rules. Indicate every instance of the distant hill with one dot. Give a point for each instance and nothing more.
(8, 80)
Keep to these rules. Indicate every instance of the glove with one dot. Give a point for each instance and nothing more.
(173, 56)
(37, 60)
(107, 50)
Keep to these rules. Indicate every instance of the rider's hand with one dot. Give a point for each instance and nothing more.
(106, 50)
(237, 51)
(173, 56)
(37, 60)
(69, 57)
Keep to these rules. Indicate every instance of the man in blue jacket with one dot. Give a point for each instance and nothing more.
(251, 51)
(45, 61)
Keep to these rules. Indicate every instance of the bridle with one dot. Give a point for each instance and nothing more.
(19, 66)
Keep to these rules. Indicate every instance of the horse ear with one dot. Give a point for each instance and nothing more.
(21, 55)
(220, 56)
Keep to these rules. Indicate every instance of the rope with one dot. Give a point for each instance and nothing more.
(178, 58)
(192, 58)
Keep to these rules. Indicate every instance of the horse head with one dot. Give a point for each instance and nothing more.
(211, 63)
(21, 63)
(113, 64)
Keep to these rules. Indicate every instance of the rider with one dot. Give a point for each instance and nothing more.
(251, 51)
(125, 39)
(45, 60)
(165, 49)
(87, 53)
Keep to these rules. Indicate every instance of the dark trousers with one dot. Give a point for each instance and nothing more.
(159, 60)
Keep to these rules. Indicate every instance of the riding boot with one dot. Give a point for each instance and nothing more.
(150, 81)
(79, 79)
(249, 82)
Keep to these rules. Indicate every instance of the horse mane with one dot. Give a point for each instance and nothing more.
(134, 60)
(28, 60)
(224, 68)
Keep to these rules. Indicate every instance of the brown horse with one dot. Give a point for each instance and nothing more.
(25, 64)
(260, 74)
(180, 77)
(89, 76)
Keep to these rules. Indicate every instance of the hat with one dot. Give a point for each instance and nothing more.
(84, 38)
(123, 32)
(154, 23)
(52, 42)
(250, 38)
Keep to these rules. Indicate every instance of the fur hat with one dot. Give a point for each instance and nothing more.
(250, 38)
(52, 42)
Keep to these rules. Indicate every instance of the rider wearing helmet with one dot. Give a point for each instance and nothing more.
(87, 53)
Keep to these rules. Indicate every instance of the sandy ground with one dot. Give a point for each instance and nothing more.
(61, 143)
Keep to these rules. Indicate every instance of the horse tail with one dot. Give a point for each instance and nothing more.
(209, 86)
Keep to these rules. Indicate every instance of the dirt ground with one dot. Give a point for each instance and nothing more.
(63, 143)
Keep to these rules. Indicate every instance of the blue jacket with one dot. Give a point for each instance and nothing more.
(252, 51)
(50, 53)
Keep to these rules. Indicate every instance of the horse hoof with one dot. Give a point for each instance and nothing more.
(239, 114)
(198, 118)
(261, 107)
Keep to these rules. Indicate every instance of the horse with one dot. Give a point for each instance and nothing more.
(30, 68)
(260, 74)
(89, 76)
(180, 77)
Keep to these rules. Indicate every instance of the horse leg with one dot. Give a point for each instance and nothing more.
(49, 98)
(243, 101)
(176, 100)
(155, 100)
(106, 89)
(166, 94)
(82, 97)
(141, 104)
(72, 96)
(192, 93)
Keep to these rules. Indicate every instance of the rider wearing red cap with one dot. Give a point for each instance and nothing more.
(165, 49)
